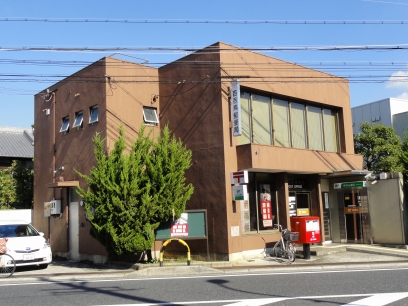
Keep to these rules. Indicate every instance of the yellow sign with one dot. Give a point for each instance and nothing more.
(302, 212)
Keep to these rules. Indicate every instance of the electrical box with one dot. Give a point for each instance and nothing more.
(55, 207)
(47, 209)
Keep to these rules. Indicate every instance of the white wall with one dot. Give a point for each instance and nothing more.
(17, 214)
(378, 112)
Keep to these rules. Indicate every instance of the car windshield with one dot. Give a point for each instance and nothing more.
(17, 230)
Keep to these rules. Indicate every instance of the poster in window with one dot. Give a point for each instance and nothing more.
(266, 205)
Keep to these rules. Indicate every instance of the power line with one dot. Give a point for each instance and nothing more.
(205, 21)
(211, 49)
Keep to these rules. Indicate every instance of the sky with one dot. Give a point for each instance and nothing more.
(294, 24)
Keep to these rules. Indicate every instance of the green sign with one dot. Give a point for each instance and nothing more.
(357, 184)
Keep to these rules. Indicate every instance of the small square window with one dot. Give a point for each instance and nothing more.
(150, 115)
(65, 125)
(78, 120)
(93, 114)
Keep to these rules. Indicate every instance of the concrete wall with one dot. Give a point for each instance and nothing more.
(386, 211)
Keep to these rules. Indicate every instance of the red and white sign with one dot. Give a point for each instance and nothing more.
(239, 177)
(180, 226)
(266, 211)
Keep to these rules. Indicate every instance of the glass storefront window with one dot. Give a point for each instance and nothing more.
(330, 131)
(272, 121)
(245, 119)
(281, 123)
(298, 120)
(260, 211)
(315, 128)
(261, 108)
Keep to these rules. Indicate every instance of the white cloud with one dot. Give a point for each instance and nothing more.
(403, 96)
(398, 80)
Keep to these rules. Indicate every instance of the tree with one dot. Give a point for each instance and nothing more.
(404, 159)
(24, 185)
(132, 190)
(7, 188)
(380, 146)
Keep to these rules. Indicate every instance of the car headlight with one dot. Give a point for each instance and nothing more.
(46, 244)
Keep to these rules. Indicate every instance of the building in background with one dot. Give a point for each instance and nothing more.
(389, 112)
(16, 144)
(237, 111)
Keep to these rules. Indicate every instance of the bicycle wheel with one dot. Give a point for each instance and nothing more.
(278, 249)
(7, 265)
(291, 251)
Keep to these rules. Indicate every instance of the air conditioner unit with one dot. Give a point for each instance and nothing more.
(55, 207)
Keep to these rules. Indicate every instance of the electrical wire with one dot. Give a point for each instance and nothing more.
(204, 21)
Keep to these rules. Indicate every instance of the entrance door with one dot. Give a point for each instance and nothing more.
(352, 205)
(302, 200)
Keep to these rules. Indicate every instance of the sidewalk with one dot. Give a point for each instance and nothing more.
(325, 257)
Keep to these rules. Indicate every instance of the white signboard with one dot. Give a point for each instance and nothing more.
(236, 108)
(234, 231)
(312, 225)
(240, 192)
(239, 177)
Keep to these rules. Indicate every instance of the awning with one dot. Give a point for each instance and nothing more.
(63, 184)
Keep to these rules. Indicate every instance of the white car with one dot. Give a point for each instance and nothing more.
(25, 244)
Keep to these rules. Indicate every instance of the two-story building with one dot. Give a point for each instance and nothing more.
(289, 127)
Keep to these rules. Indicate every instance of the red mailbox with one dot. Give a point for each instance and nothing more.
(308, 228)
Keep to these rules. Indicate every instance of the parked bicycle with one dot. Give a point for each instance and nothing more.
(286, 247)
(7, 262)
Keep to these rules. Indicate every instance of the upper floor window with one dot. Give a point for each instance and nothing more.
(150, 115)
(93, 114)
(65, 125)
(79, 118)
(272, 121)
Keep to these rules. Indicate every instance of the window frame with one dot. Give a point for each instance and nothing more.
(91, 110)
(80, 124)
(65, 123)
(148, 121)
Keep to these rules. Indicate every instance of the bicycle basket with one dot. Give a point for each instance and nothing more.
(294, 236)
(3, 249)
(286, 234)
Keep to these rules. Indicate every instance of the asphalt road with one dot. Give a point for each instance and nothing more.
(332, 287)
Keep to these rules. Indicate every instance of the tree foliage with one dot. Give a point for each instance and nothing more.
(24, 185)
(380, 146)
(132, 190)
(16, 186)
(7, 188)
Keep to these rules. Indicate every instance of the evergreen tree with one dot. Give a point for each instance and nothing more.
(380, 147)
(7, 188)
(404, 159)
(132, 190)
(24, 185)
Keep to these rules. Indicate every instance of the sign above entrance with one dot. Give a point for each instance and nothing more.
(239, 177)
(358, 184)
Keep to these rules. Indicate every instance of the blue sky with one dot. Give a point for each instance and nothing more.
(17, 93)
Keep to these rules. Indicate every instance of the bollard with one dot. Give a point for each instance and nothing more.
(167, 242)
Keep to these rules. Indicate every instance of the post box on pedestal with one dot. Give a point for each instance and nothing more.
(309, 231)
